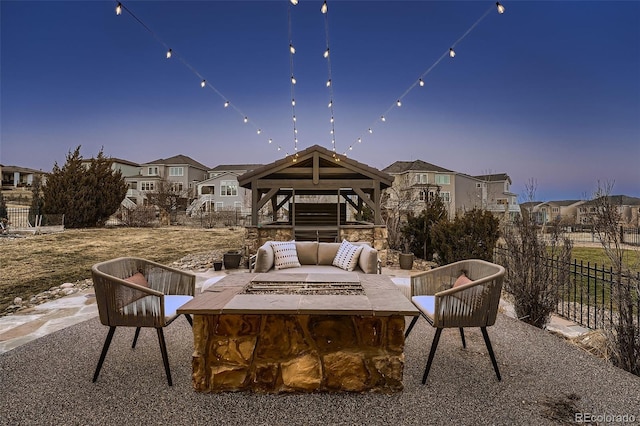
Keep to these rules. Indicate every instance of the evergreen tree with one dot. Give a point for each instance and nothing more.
(3, 207)
(87, 196)
(417, 230)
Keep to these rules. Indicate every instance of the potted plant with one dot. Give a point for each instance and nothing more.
(232, 259)
(405, 259)
(217, 265)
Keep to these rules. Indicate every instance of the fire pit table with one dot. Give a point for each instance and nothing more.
(299, 333)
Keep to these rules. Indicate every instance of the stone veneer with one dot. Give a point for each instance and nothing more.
(298, 342)
(298, 353)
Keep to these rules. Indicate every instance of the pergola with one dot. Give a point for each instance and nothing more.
(316, 171)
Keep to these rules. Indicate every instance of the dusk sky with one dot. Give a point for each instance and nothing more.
(548, 91)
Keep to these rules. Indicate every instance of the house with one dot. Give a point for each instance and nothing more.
(221, 192)
(564, 212)
(180, 171)
(628, 208)
(416, 182)
(19, 177)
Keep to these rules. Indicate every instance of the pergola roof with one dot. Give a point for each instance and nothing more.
(304, 174)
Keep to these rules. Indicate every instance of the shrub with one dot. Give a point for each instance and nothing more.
(472, 235)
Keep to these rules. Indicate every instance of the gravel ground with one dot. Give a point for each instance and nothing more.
(545, 381)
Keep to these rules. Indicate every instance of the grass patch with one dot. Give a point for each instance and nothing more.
(596, 255)
(36, 263)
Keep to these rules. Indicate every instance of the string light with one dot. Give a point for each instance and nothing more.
(168, 53)
(226, 104)
(246, 119)
(294, 2)
(382, 118)
(324, 8)
(293, 80)
(398, 103)
(203, 83)
(500, 8)
(452, 53)
(421, 82)
(292, 49)
(326, 53)
(119, 9)
(259, 131)
(328, 83)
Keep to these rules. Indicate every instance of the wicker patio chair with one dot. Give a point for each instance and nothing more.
(474, 304)
(133, 292)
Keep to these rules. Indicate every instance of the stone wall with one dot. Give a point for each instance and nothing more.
(298, 353)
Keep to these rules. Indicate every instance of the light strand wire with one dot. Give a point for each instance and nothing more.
(420, 80)
(325, 11)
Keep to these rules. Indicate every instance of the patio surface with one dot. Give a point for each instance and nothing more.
(50, 354)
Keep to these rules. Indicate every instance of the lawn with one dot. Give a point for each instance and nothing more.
(36, 263)
(597, 256)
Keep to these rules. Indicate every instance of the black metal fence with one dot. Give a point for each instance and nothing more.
(587, 291)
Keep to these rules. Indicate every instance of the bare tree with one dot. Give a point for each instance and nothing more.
(168, 197)
(397, 202)
(623, 333)
(534, 266)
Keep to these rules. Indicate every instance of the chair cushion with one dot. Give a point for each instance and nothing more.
(347, 256)
(426, 304)
(286, 255)
(462, 280)
(138, 279)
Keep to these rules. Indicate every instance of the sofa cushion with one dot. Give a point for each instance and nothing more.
(313, 269)
(368, 260)
(347, 256)
(327, 252)
(264, 258)
(307, 252)
(286, 255)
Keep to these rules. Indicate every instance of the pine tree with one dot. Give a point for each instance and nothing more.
(87, 196)
(4, 214)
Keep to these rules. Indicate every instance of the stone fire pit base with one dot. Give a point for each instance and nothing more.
(275, 353)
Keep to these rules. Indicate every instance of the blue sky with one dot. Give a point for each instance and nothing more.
(548, 91)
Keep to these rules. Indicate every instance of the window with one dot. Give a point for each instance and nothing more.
(177, 186)
(443, 179)
(229, 188)
(478, 185)
(218, 206)
(237, 205)
(153, 171)
(421, 178)
(176, 171)
(445, 196)
(422, 197)
(555, 210)
(505, 201)
(147, 186)
(132, 185)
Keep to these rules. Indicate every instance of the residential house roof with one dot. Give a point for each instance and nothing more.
(235, 167)
(179, 159)
(562, 203)
(496, 177)
(416, 166)
(620, 200)
(12, 169)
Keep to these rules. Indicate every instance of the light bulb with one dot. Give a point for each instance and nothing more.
(119, 9)
(331, 131)
(382, 118)
(295, 131)
(246, 119)
(294, 118)
(292, 49)
(226, 104)
(326, 53)
(500, 8)
(294, 2)
(293, 80)
(331, 120)
(295, 148)
(370, 130)
(452, 53)
(330, 104)
(169, 53)
(324, 7)
(259, 131)
(351, 148)
(279, 148)
(421, 82)
(329, 83)
(293, 102)
(398, 103)
(270, 140)
(359, 140)
(203, 83)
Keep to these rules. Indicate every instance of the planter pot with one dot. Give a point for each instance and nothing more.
(217, 266)
(405, 260)
(232, 260)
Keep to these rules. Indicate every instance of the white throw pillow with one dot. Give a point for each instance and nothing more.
(347, 256)
(286, 255)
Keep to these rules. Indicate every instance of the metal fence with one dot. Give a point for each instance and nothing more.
(23, 219)
(587, 293)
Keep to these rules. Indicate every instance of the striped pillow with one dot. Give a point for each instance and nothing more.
(286, 255)
(347, 256)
